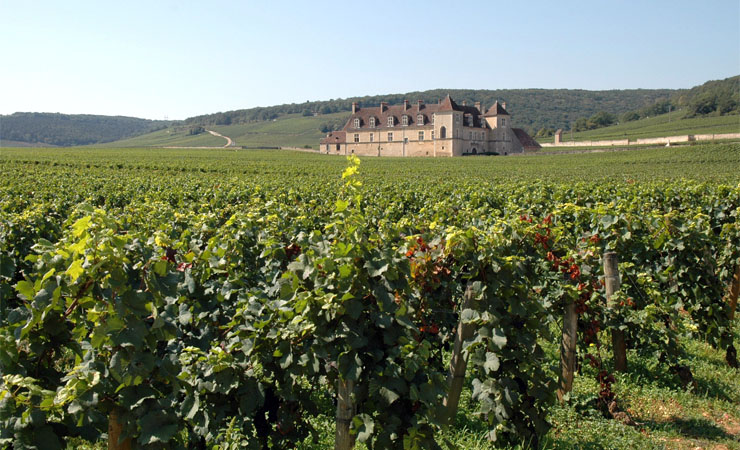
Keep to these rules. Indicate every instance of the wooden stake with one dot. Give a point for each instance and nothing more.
(115, 428)
(734, 291)
(568, 350)
(344, 440)
(458, 363)
(611, 275)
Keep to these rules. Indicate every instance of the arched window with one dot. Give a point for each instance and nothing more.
(442, 133)
(420, 119)
(405, 120)
(357, 123)
(391, 122)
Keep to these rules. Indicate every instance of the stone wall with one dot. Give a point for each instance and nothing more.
(646, 141)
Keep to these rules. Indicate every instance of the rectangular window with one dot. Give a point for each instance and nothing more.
(357, 123)
(357, 137)
(503, 122)
(421, 135)
(371, 137)
(390, 137)
(391, 121)
(405, 140)
(432, 134)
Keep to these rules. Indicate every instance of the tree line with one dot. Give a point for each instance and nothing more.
(73, 129)
(717, 98)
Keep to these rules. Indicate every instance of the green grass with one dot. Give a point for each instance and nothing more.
(658, 126)
(292, 130)
(170, 137)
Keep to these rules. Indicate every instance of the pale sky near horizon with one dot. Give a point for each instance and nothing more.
(184, 58)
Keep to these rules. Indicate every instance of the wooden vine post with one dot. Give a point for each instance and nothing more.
(734, 292)
(344, 440)
(115, 429)
(568, 350)
(458, 363)
(611, 275)
(731, 354)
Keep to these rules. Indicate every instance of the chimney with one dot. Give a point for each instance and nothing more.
(405, 105)
(420, 103)
(464, 102)
(503, 104)
(477, 106)
(354, 107)
(382, 106)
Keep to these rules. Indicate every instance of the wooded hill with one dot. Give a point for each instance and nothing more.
(72, 129)
(539, 111)
(713, 98)
(531, 109)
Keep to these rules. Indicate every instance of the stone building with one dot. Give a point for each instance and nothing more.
(441, 129)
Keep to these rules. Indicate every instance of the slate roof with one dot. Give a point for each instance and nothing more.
(334, 137)
(496, 110)
(381, 114)
(527, 141)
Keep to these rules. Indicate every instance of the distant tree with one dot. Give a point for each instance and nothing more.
(306, 113)
(703, 104)
(629, 116)
(580, 124)
(601, 119)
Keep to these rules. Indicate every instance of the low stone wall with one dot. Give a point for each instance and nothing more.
(646, 141)
(712, 137)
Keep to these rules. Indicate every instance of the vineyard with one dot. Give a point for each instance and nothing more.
(254, 299)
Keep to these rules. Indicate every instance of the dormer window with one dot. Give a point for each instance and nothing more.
(405, 120)
(470, 120)
(503, 122)
(357, 123)
(391, 122)
(420, 119)
(372, 122)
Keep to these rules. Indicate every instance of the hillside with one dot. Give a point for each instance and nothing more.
(71, 129)
(676, 123)
(177, 136)
(300, 125)
(292, 130)
(531, 109)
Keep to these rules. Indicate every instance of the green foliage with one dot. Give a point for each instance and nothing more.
(672, 124)
(217, 297)
(599, 120)
(76, 129)
(532, 109)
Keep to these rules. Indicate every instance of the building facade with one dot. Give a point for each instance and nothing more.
(441, 129)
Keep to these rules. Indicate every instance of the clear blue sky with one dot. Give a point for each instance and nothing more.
(184, 58)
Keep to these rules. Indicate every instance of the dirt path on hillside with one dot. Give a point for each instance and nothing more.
(229, 142)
